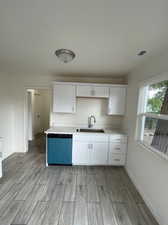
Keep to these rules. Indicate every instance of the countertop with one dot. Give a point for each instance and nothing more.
(72, 130)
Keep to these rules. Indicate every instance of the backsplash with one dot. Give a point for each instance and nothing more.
(84, 108)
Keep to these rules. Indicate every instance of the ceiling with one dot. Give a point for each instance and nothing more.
(106, 35)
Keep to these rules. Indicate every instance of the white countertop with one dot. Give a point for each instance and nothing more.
(72, 130)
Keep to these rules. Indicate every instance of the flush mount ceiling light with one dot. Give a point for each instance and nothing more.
(65, 55)
(143, 52)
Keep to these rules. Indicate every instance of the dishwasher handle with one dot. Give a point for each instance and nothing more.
(59, 135)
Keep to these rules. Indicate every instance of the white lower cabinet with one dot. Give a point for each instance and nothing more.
(99, 154)
(80, 154)
(117, 150)
(89, 153)
(98, 150)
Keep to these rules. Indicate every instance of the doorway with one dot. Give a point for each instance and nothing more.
(37, 119)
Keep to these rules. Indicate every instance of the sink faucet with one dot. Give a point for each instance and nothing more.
(90, 124)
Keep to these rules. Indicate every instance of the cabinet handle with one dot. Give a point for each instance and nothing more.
(72, 108)
(117, 148)
(90, 146)
(116, 159)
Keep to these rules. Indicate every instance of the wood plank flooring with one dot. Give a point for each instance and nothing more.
(31, 194)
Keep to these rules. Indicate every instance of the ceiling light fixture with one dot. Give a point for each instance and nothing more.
(143, 52)
(65, 55)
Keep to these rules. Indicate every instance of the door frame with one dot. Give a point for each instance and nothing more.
(25, 134)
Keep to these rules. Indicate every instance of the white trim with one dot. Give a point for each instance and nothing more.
(146, 199)
(90, 84)
(154, 116)
(150, 149)
(154, 79)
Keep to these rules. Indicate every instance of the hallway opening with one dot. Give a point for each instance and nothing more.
(38, 118)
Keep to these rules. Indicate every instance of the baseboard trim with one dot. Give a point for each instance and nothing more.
(145, 198)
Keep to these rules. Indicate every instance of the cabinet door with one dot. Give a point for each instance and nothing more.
(117, 101)
(84, 91)
(64, 98)
(100, 92)
(99, 153)
(80, 155)
(92, 91)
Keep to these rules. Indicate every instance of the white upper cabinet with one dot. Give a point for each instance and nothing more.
(64, 98)
(92, 91)
(117, 101)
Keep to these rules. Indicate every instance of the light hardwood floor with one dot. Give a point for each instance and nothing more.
(34, 195)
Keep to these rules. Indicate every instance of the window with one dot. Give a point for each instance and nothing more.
(152, 117)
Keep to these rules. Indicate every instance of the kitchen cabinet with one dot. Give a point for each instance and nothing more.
(99, 149)
(92, 91)
(80, 154)
(117, 150)
(117, 100)
(79, 148)
(98, 153)
(65, 93)
(90, 149)
(64, 98)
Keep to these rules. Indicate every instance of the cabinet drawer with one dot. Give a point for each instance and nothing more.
(118, 138)
(90, 138)
(118, 147)
(117, 159)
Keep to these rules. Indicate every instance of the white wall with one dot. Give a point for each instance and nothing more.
(86, 107)
(148, 171)
(13, 101)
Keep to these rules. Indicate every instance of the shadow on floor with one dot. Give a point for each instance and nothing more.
(38, 145)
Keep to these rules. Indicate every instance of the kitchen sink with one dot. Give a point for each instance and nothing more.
(90, 130)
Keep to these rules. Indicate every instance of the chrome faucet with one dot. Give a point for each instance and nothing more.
(90, 124)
